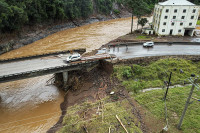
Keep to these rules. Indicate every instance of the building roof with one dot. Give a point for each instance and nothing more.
(176, 2)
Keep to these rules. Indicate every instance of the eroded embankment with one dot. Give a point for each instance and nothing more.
(84, 85)
(94, 86)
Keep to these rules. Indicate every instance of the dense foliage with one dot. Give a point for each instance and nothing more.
(15, 13)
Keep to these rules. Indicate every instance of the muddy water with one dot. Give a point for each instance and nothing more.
(89, 36)
(32, 106)
(29, 105)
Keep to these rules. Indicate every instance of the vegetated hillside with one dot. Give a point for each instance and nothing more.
(14, 14)
(136, 78)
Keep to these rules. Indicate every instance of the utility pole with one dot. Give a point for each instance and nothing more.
(187, 104)
(168, 86)
(132, 23)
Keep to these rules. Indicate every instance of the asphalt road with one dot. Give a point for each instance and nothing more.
(41, 63)
(122, 53)
(156, 50)
(30, 65)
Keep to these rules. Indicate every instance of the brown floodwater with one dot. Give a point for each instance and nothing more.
(90, 36)
(32, 106)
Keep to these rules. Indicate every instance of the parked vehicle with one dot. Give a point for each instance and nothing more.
(148, 44)
(74, 57)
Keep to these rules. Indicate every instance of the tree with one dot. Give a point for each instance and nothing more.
(142, 21)
(138, 8)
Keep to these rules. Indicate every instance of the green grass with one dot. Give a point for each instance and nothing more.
(153, 102)
(198, 22)
(143, 38)
(138, 77)
(85, 115)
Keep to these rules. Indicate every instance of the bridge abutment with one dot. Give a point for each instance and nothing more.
(65, 77)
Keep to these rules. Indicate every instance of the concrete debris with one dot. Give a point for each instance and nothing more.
(111, 93)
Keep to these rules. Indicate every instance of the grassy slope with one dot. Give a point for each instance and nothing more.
(153, 102)
(86, 115)
(138, 77)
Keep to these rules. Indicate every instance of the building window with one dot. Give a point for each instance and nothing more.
(190, 24)
(166, 17)
(181, 24)
(174, 17)
(184, 10)
(163, 30)
(183, 17)
(192, 17)
(179, 31)
(194, 10)
(167, 10)
(175, 10)
(173, 24)
(164, 23)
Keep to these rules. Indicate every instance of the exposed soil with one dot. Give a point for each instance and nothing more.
(97, 84)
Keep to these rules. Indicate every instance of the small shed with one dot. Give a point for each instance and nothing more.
(148, 31)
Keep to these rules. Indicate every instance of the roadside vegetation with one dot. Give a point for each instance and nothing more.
(100, 117)
(198, 22)
(143, 37)
(176, 98)
(137, 77)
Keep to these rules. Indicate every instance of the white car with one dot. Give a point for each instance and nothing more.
(74, 57)
(148, 44)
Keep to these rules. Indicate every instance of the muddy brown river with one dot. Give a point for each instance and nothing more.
(32, 105)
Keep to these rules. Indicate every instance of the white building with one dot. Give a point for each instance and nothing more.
(175, 17)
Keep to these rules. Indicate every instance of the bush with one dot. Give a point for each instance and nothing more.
(198, 22)
(127, 73)
(116, 11)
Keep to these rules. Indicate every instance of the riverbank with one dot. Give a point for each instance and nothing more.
(31, 34)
